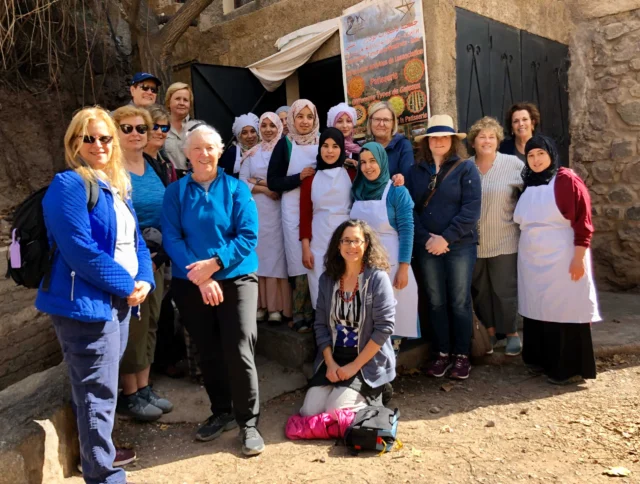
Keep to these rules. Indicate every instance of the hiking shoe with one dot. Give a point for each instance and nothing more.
(568, 381)
(275, 317)
(514, 346)
(123, 457)
(152, 397)
(461, 368)
(252, 442)
(136, 407)
(387, 393)
(214, 426)
(440, 366)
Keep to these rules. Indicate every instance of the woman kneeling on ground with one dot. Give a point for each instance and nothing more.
(355, 316)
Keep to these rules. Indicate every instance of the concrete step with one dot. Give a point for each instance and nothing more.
(285, 346)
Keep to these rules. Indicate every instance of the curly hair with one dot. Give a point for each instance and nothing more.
(457, 148)
(531, 108)
(375, 255)
(485, 123)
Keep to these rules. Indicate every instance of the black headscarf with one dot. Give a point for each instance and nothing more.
(530, 177)
(337, 136)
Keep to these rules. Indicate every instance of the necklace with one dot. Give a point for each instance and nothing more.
(355, 290)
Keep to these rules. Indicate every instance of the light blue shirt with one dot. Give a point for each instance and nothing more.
(147, 194)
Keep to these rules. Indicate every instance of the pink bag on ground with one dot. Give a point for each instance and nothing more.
(321, 426)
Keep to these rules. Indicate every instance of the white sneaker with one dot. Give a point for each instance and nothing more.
(275, 317)
(260, 315)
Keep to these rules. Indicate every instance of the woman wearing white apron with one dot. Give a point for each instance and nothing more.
(389, 211)
(556, 294)
(245, 129)
(294, 159)
(274, 292)
(325, 202)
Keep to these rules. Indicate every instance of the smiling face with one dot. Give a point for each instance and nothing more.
(268, 130)
(351, 236)
(304, 121)
(345, 125)
(439, 145)
(248, 137)
(330, 151)
(382, 125)
(96, 154)
(142, 98)
(157, 137)
(522, 125)
(369, 166)
(283, 118)
(203, 152)
(180, 103)
(486, 142)
(538, 160)
(133, 141)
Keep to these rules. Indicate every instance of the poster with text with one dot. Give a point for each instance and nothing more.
(384, 59)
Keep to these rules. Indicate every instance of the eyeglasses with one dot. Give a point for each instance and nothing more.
(384, 121)
(149, 88)
(162, 127)
(128, 129)
(104, 140)
(352, 243)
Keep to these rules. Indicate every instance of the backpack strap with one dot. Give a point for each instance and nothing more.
(438, 183)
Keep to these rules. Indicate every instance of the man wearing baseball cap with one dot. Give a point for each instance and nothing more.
(144, 89)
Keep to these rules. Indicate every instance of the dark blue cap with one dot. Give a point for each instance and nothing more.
(144, 76)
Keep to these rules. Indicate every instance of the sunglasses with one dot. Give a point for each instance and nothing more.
(149, 88)
(432, 182)
(162, 127)
(104, 140)
(128, 129)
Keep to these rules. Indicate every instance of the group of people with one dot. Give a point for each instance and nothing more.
(334, 237)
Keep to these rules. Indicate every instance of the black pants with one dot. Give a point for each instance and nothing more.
(225, 336)
(170, 342)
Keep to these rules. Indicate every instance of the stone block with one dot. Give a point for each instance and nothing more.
(621, 194)
(615, 30)
(622, 149)
(608, 83)
(588, 153)
(618, 70)
(630, 112)
(602, 224)
(635, 64)
(631, 173)
(615, 96)
(626, 49)
(635, 90)
(39, 441)
(629, 233)
(281, 344)
(633, 213)
(613, 213)
(603, 172)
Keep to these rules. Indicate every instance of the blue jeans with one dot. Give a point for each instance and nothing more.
(447, 280)
(92, 352)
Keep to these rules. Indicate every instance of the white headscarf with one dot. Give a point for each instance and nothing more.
(240, 122)
(335, 111)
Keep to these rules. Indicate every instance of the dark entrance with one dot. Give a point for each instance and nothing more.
(221, 93)
(498, 65)
(321, 83)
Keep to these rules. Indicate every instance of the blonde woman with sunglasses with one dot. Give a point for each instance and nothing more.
(101, 268)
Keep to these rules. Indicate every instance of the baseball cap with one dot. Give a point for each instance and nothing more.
(144, 76)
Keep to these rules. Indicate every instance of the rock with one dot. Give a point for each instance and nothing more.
(615, 96)
(435, 410)
(631, 173)
(613, 31)
(608, 83)
(633, 213)
(629, 234)
(626, 49)
(603, 172)
(635, 64)
(39, 431)
(630, 112)
(621, 195)
(602, 224)
(490, 423)
(622, 149)
(524, 411)
(612, 213)
(635, 90)
(618, 70)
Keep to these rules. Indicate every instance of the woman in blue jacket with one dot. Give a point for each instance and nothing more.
(101, 268)
(447, 194)
(210, 231)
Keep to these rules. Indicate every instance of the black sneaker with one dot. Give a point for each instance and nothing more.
(252, 442)
(136, 407)
(214, 426)
(152, 397)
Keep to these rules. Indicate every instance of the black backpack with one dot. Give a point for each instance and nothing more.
(29, 240)
(373, 428)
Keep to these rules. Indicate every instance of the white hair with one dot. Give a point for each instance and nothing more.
(202, 130)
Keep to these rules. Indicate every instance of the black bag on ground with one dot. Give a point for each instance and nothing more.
(29, 256)
(373, 428)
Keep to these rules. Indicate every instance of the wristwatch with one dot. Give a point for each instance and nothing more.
(219, 261)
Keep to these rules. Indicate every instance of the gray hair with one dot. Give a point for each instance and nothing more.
(158, 112)
(379, 106)
(202, 129)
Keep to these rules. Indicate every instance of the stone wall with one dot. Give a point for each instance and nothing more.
(605, 114)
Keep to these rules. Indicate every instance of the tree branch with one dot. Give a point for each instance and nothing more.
(180, 22)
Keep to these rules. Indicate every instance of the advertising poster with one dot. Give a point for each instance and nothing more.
(384, 59)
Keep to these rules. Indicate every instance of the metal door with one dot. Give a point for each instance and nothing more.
(321, 83)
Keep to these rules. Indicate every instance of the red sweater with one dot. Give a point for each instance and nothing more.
(574, 202)
(306, 205)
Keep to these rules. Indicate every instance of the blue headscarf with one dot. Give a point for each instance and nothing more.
(364, 189)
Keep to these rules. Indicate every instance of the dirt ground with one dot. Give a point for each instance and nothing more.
(500, 426)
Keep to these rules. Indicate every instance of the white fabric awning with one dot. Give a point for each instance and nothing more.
(297, 48)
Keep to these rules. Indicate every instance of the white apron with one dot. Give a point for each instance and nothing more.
(302, 156)
(237, 163)
(374, 212)
(545, 289)
(331, 198)
(270, 250)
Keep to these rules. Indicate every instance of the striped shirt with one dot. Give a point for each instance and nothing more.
(501, 185)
